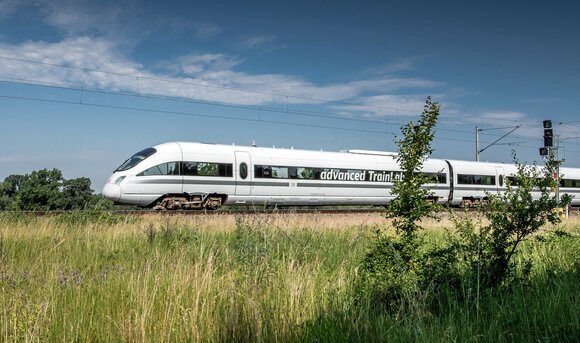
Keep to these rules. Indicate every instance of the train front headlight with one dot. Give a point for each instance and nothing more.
(119, 179)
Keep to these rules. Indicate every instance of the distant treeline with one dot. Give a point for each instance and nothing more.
(46, 190)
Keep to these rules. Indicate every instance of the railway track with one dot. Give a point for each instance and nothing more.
(574, 211)
(203, 212)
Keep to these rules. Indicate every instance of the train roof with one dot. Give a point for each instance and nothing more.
(355, 153)
(287, 153)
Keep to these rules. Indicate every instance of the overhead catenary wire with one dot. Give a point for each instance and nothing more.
(186, 113)
(250, 91)
(207, 85)
(318, 114)
(144, 77)
(193, 114)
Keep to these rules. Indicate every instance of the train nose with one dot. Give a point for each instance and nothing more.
(112, 192)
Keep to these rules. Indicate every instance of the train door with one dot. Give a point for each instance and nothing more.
(243, 173)
(500, 175)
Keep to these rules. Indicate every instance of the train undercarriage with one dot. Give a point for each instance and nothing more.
(190, 202)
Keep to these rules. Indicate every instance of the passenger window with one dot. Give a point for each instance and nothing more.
(171, 168)
(207, 169)
(501, 180)
(280, 172)
(305, 173)
(243, 170)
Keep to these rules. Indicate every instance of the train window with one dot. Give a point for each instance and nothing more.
(157, 170)
(501, 180)
(437, 177)
(207, 169)
(190, 168)
(488, 180)
(262, 171)
(280, 172)
(512, 180)
(243, 170)
(570, 183)
(305, 173)
(136, 159)
(225, 170)
(293, 172)
(171, 168)
(465, 179)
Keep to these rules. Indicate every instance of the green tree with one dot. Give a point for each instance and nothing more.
(76, 194)
(410, 204)
(514, 215)
(40, 190)
(8, 190)
(389, 274)
(48, 190)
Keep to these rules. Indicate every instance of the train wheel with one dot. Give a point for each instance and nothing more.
(212, 203)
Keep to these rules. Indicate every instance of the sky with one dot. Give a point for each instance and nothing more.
(85, 84)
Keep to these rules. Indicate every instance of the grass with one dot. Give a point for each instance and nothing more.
(263, 278)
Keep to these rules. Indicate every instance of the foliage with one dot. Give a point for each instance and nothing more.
(410, 204)
(39, 190)
(513, 215)
(8, 190)
(389, 271)
(47, 190)
(401, 268)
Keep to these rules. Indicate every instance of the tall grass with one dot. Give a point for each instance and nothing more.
(261, 278)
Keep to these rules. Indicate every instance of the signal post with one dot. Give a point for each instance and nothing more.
(551, 152)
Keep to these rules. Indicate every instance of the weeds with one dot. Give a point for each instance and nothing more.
(258, 279)
(83, 218)
(170, 235)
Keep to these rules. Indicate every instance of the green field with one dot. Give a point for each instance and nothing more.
(108, 278)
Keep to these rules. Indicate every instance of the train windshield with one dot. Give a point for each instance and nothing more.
(136, 159)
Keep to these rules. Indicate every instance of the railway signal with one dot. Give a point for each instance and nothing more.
(551, 152)
(548, 134)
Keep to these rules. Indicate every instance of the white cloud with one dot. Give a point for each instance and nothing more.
(81, 16)
(206, 77)
(403, 64)
(386, 105)
(193, 65)
(500, 117)
(256, 41)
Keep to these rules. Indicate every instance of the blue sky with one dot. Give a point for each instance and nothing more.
(85, 84)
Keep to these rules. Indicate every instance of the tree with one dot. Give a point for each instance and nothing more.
(389, 276)
(513, 216)
(40, 190)
(47, 190)
(76, 194)
(414, 148)
(8, 190)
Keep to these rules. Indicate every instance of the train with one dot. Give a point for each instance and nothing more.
(189, 175)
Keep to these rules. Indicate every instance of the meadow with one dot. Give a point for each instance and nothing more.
(95, 277)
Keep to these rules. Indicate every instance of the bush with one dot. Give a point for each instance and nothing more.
(398, 270)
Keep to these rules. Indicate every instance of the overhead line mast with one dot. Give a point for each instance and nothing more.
(478, 130)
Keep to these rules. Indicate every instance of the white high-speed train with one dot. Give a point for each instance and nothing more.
(184, 175)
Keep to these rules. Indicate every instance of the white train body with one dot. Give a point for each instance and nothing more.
(197, 175)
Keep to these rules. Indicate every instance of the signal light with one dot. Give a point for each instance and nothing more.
(548, 133)
(548, 137)
(543, 151)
